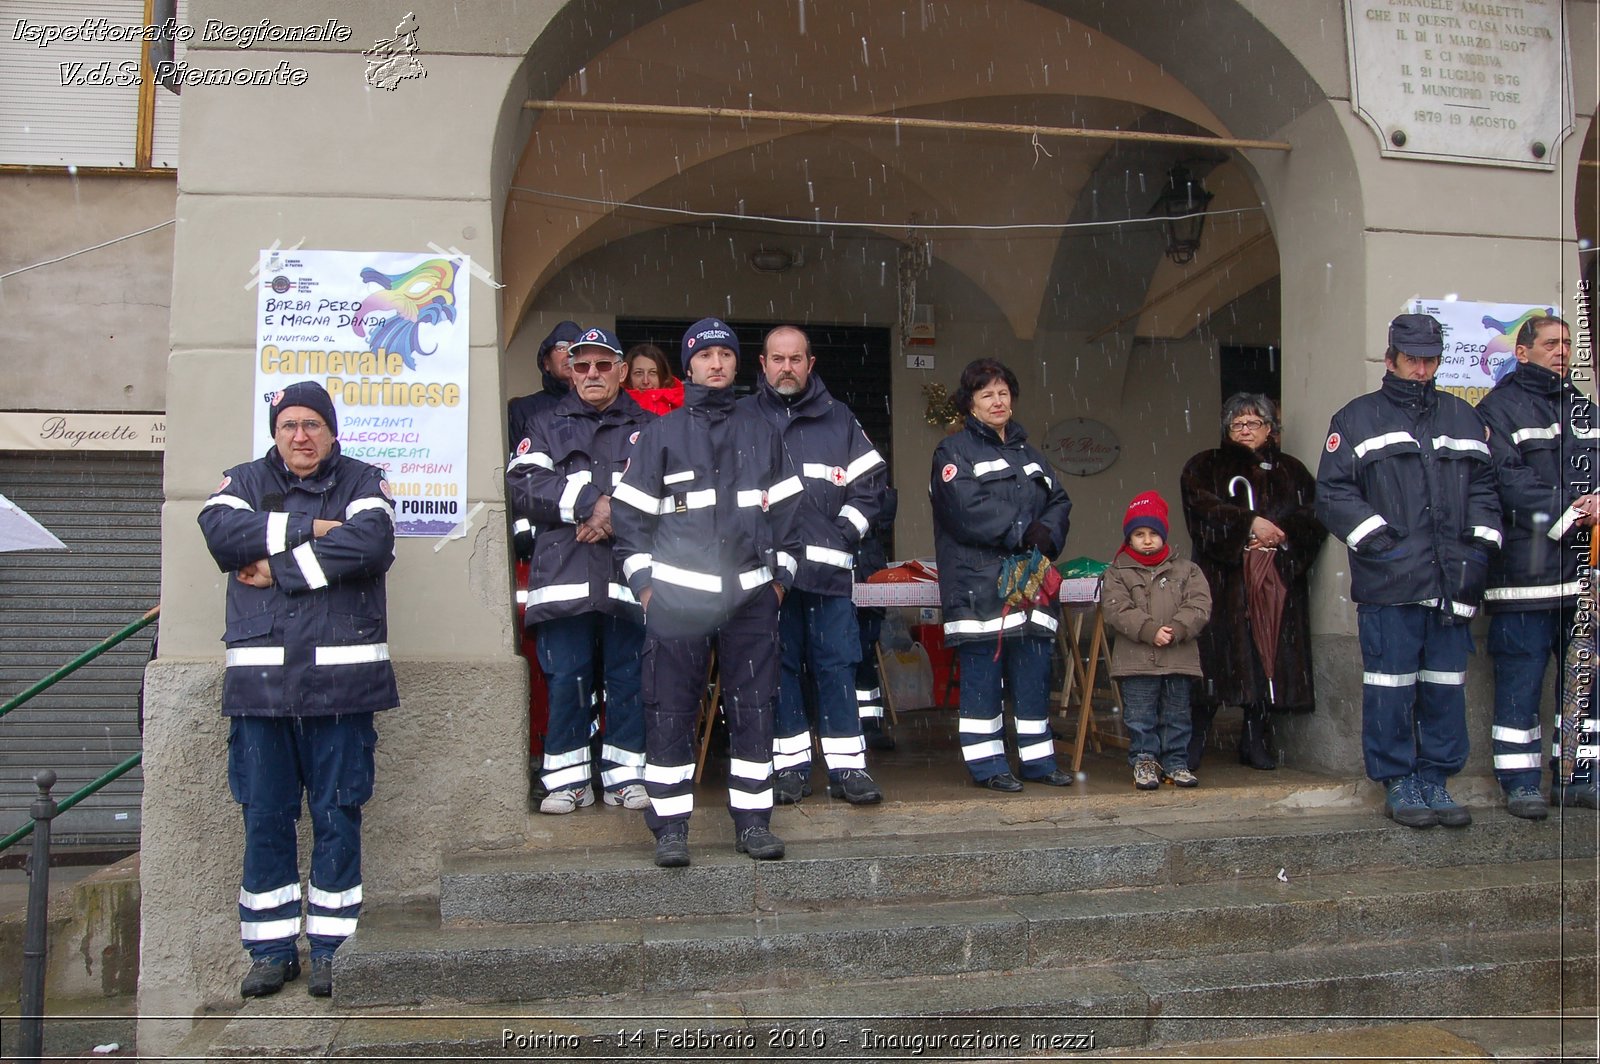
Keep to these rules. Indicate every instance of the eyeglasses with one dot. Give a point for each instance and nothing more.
(1248, 424)
(290, 428)
(599, 365)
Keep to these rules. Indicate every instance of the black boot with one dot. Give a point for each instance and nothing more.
(1200, 717)
(1253, 748)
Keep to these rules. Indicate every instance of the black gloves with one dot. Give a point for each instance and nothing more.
(1037, 537)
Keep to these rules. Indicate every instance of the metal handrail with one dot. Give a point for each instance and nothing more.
(45, 684)
(80, 661)
(74, 798)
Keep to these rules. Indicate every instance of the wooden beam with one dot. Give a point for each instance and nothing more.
(887, 121)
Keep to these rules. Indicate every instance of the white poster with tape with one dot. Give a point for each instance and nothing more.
(386, 333)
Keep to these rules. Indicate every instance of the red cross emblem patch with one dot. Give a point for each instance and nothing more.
(836, 474)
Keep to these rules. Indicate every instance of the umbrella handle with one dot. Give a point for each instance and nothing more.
(1249, 492)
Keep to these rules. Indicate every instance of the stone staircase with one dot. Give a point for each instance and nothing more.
(1013, 939)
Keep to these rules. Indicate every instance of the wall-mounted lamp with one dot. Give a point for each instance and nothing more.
(1182, 203)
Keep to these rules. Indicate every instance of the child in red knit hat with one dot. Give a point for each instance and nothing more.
(1157, 603)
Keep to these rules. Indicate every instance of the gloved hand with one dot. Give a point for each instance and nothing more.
(1378, 543)
(1037, 537)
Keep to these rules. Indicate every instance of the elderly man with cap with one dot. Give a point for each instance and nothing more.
(1406, 482)
(1542, 439)
(307, 535)
(704, 522)
(844, 478)
(561, 480)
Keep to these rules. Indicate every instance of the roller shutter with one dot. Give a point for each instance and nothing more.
(107, 508)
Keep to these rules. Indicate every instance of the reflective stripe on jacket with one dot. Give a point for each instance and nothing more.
(316, 642)
(558, 472)
(1542, 437)
(985, 495)
(1405, 481)
(842, 474)
(704, 516)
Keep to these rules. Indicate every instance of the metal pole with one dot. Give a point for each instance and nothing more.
(77, 796)
(30, 1042)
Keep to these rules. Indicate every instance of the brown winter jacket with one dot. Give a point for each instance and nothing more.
(1138, 600)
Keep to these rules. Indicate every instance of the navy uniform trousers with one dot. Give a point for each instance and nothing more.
(821, 640)
(1522, 643)
(1025, 664)
(1413, 692)
(673, 675)
(271, 761)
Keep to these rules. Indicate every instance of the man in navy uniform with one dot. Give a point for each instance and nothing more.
(843, 476)
(561, 480)
(307, 536)
(1406, 482)
(704, 520)
(1541, 434)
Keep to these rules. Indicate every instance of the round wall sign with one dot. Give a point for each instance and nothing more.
(1081, 446)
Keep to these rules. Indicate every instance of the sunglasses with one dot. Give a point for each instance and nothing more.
(599, 365)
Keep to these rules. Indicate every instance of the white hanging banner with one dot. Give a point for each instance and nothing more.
(386, 334)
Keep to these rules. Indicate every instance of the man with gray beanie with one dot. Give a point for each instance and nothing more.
(306, 535)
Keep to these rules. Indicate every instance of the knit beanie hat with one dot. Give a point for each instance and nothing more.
(1147, 510)
(308, 394)
(707, 332)
(565, 332)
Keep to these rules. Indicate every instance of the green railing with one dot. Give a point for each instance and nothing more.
(49, 681)
(80, 661)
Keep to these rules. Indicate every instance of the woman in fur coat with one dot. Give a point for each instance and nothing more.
(1221, 524)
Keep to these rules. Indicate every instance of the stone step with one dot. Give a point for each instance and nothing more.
(592, 883)
(391, 966)
(1127, 1005)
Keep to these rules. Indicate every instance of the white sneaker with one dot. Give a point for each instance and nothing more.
(629, 796)
(559, 802)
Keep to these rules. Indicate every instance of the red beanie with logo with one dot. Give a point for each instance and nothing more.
(1147, 510)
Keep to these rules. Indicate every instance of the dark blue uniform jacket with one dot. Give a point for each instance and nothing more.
(316, 642)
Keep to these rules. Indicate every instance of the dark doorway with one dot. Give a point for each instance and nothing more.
(853, 361)
(1252, 369)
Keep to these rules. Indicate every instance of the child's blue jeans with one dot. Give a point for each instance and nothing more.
(1155, 710)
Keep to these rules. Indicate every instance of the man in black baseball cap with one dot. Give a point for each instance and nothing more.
(1406, 482)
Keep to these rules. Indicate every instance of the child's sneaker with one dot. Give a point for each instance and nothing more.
(561, 802)
(629, 796)
(1180, 777)
(1146, 774)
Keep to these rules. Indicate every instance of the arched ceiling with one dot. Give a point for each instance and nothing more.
(999, 61)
